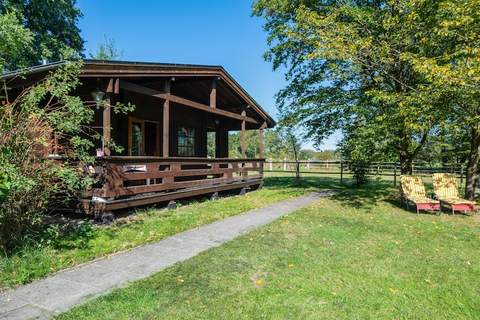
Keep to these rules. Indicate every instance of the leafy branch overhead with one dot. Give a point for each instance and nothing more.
(398, 70)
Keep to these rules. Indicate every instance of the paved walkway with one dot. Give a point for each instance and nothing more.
(65, 289)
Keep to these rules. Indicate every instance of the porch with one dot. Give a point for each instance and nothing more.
(176, 141)
(136, 181)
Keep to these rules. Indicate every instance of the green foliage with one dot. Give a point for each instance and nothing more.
(324, 155)
(278, 145)
(346, 61)
(107, 51)
(453, 67)
(234, 148)
(53, 28)
(16, 41)
(31, 183)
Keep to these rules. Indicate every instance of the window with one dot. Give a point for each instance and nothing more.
(143, 137)
(137, 139)
(186, 142)
(211, 144)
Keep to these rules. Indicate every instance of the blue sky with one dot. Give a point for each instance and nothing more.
(217, 32)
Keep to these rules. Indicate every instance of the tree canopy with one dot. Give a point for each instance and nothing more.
(53, 28)
(107, 50)
(348, 67)
(397, 77)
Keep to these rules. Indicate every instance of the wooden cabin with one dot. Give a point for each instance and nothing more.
(178, 108)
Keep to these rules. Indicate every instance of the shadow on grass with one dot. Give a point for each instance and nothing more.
(347, 192)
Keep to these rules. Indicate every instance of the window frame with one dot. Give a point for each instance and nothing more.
(190, 141)
(132, 120)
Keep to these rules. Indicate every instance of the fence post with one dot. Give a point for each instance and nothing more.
(285, 164)
(394, 175)
(308, 165)
(461, 174)
(341, 172)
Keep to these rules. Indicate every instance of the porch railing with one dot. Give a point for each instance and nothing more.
(132, 176)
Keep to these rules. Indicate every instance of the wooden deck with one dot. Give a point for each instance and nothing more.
(135, 181)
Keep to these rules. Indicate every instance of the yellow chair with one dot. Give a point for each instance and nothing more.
(446, 190)
(413, 192)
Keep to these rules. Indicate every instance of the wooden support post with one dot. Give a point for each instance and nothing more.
(261, 142)
(166, 122)
(213, 94)
(116, 86)
(341, 172)
(243, 141)
(106, 126)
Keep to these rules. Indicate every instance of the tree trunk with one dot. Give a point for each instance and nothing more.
(406, 161)
(472, 173)
(297, 170)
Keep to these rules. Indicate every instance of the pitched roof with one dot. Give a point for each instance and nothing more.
(113, 68)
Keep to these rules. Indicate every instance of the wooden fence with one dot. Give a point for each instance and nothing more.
(341, 168)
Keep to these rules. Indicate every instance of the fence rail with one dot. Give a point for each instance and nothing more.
(341, 168)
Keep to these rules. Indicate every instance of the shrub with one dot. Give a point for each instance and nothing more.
(31, 183)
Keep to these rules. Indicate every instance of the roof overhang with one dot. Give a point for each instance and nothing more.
(127, 69)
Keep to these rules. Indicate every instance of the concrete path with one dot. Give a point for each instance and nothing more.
(61, 291)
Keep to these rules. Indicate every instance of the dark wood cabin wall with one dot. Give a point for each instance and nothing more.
(150, 108)
(188, 117)
(146, 108)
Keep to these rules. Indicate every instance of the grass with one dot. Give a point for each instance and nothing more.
(62, 250)
(357, 255)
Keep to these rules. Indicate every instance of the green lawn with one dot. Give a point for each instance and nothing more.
(355, 256)
(59, 250)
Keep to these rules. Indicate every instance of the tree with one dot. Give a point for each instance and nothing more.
(16, 40)
(107, 51)
(234, 147)
(346, 61)
(293, 145)
(362, 147)
(455, 69)
(53, 27)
